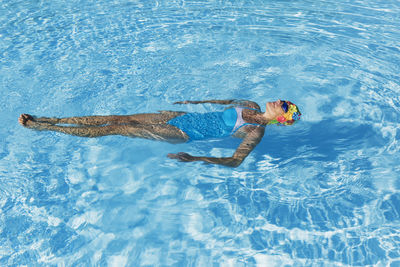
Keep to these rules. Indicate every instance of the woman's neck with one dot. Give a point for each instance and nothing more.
(253, 116)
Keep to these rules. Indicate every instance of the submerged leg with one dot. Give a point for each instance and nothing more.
(144, 118)
(86, 120)
(162, 132)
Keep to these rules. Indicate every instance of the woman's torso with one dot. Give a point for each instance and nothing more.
(199, 126)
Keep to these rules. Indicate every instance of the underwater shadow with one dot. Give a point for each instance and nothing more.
(326, 139)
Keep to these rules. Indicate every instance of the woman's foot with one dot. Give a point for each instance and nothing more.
(26, 120)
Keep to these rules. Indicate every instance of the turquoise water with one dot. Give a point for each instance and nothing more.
(325, 192)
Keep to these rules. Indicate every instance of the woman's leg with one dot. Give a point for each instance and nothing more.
(86, 120)
(144, 118)
(160, 132)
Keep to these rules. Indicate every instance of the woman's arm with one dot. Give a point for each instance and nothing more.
(244, 103)
(248, 144)
(221, 102)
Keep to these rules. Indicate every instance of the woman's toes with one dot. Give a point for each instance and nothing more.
(25, 119)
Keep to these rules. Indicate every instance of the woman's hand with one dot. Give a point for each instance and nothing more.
(182, 156)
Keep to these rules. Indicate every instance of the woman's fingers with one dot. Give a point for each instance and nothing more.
(181, 156)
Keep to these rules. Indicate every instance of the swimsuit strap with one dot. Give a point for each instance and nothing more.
(240, 122)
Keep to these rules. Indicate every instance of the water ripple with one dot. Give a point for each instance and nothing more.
(324, 192)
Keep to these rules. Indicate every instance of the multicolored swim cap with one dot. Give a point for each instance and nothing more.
(291, 115)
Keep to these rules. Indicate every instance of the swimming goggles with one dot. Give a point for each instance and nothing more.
(285, 106)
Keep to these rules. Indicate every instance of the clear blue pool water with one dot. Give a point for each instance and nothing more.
(325, 192)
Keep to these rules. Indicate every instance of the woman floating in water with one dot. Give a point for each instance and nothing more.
(242, 119)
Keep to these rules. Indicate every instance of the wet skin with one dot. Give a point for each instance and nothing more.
(154, 126)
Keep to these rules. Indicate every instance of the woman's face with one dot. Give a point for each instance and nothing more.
(274, 109)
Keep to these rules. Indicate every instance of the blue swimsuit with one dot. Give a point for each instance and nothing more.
(199, 126)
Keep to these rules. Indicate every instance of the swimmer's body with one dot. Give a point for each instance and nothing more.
(242, 119)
